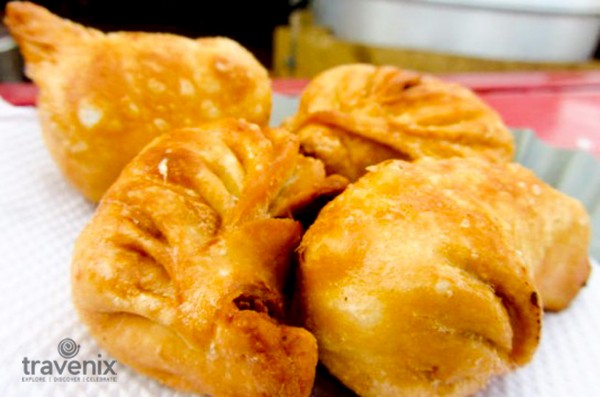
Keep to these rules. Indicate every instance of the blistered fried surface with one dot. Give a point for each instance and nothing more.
(180, 272)
(428, 278)
(103, 97)
(353, 116)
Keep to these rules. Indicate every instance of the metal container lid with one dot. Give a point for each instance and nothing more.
(571, 7)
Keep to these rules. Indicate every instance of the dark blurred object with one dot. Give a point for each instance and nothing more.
(11, 63)
(251, 23)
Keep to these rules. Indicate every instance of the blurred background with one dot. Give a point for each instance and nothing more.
(299, 38)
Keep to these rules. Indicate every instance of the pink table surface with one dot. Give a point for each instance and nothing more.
(563, 108)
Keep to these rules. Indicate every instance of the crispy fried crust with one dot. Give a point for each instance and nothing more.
(428, 278)
(353, 116)
(103, 97)
(180, 272)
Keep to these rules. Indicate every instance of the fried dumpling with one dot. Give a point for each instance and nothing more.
(357, 115)
(103, 97)
(180, 272)
(427, 278)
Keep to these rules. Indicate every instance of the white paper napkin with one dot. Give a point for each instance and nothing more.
(40, 217)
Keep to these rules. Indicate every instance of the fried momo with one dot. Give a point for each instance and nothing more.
(353, 116)
(180, 272)
(103, 97)
(428, 278)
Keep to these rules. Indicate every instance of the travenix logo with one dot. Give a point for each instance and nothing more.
(69, 369)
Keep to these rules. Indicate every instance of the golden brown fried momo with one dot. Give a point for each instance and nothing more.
(353, 116)
(427, 278)
(180, 272)
(103, 97)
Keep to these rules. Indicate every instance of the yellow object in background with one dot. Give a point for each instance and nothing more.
(304, 50)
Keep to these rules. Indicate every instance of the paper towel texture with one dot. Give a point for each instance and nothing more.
(40, 218)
